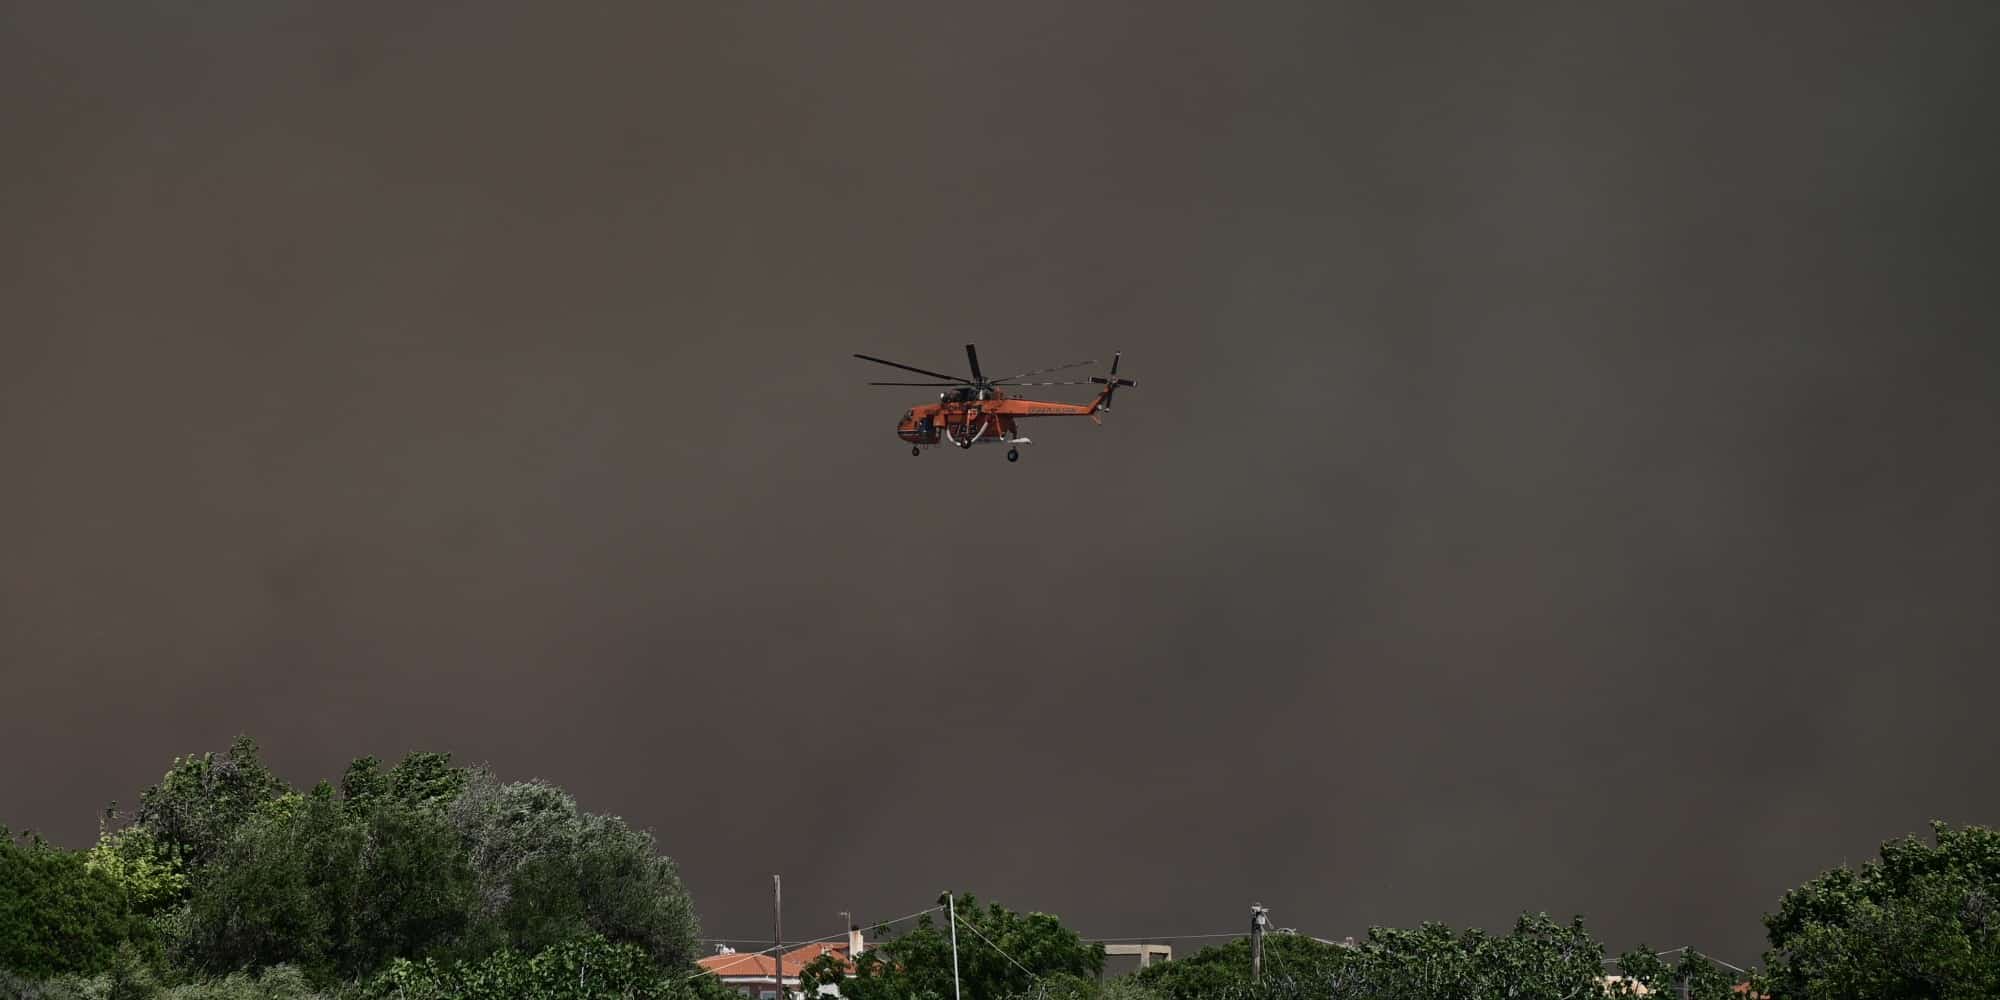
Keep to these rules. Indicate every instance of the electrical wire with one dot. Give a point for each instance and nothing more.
(1166, 937)
(830, 937)
(1682, 948)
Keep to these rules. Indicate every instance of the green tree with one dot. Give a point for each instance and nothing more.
(364, 780)
(1224, 969)
(1000, 953)
(201, 801)
(1539, 959)
(1646, 970)
(338, 887)
(1921, 922)
(56, 914)
(546, 871)
(427, 780)
(422, 862)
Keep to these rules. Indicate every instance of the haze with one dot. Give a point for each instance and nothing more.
(1561, 475)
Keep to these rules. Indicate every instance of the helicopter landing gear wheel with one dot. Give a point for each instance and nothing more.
(1013, 454)
(915, 451)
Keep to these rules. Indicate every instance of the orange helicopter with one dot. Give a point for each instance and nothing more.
(977, 410)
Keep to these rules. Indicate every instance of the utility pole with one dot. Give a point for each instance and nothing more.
(1260, 918)
(778, 933)
(952, 906)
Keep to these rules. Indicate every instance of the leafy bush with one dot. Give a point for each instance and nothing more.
(279, 982)
(148, 871)
(589, 968)
(136, 982)
(56, 914)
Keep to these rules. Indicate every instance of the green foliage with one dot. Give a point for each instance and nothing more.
(147, 870)
(427, 780)
(586, 968)
(421, 860)
(1539, 960)
(1064, 986)
(1225, 968)
(199, 804)
(827, 968)
(278, 982)
(1922, 922)
(338, 887)
(56, 914)
(698, 986)
(546, 871)
(422, 780)
(364, 780)
(1643, 969)
(917, 965)
(136, 982)
(437, 867)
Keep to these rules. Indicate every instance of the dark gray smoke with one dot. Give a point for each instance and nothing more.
(1561, 475)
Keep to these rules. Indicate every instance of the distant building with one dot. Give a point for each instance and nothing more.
(1147, 954)
(755, 975)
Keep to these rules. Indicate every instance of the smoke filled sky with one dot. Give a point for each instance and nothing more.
(1562, 474)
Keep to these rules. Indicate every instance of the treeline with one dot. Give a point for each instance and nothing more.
(421, 879)
(429, 881)
(1002, 954)
(1920, 923)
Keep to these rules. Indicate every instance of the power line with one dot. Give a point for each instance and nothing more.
(1165, 937)
(1704, 955)
(830, 937)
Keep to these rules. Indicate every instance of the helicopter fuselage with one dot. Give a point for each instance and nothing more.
(966, 419)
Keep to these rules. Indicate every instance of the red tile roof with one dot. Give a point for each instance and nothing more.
(747, 964)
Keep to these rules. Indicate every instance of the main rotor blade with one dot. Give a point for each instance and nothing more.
(1016, 385)
(1044, 371)
(973, 356)
(952, 384)
(908, 368)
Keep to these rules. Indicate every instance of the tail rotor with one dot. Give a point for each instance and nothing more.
(1110, 383)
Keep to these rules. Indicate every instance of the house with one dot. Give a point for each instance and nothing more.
(1634, 988)
(756, 975)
